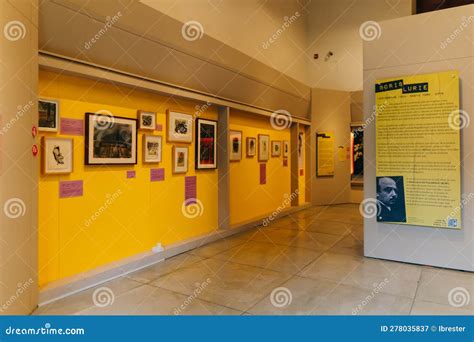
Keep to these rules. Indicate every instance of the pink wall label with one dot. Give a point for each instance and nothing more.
(71, 189)
(285, 162)
(263, 173)
(159, 127)
(190, 190)
(131, 174)
(157, 175)
(72, 126)
(301, 172)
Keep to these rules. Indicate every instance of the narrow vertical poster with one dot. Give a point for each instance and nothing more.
(325, 154)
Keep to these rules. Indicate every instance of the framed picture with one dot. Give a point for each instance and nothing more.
(152, 148)
(48, 115)
(206, 151)
(263, 147)
(110, 140)
(180, 127)
(357, 154)
(286, 148)
(276, 148)
(58, 155)
(235, 145)
(180, 159)
(146, 120)
(251, 147)
(300, 150)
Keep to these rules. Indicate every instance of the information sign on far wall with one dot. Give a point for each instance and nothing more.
(418, 150)
(325, 154)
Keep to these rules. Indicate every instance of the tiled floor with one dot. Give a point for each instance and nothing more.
(309, 263)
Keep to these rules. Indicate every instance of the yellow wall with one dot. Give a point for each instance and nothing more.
(249, 199)
(140, 213)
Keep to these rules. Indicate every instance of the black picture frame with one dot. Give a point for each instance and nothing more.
(111, 121)
(198, 150)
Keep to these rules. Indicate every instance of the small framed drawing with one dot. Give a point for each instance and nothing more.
(286, 148)
(206, 151)
(235, 145)
(179, 126)
(110, 140)
(152, 148)
(58, 155)
(180, 159)
(276, 148)
(48, 115)
(251, 146)
(263, 147)
(146, 120)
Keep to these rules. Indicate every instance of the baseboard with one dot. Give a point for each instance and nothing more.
(71, 285)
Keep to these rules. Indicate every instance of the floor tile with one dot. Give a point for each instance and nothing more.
(331, 266)
(231, 285)
(290, 260)
(288, 222)
(385, 277)
(325, 227)
(302, 296)
(290, 237)
(315, 241)
(337, 217)
(349, 300)
(298, 296)
(150, 300)
(446, 287)
(349, 245)
(150, 273)
(423, 308)
(84, 299)
(216, 247)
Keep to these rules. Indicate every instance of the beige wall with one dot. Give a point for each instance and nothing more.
(334, 26)
(321, 26)
(150, 44)
(404, 51)
(331, 112)
(18, 168)
(247, 25)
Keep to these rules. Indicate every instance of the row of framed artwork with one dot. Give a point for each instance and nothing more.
(58, 154)
(112, 140)
(48, 117)
(180, 128)
(251, 147)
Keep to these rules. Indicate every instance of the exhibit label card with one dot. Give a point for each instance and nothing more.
(131, 174)
(263, 173)
(72, 126)
(157, 175)
(190, 190)
(71, 189)
(418, 156)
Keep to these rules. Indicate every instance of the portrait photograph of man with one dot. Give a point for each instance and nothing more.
(391, 199)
